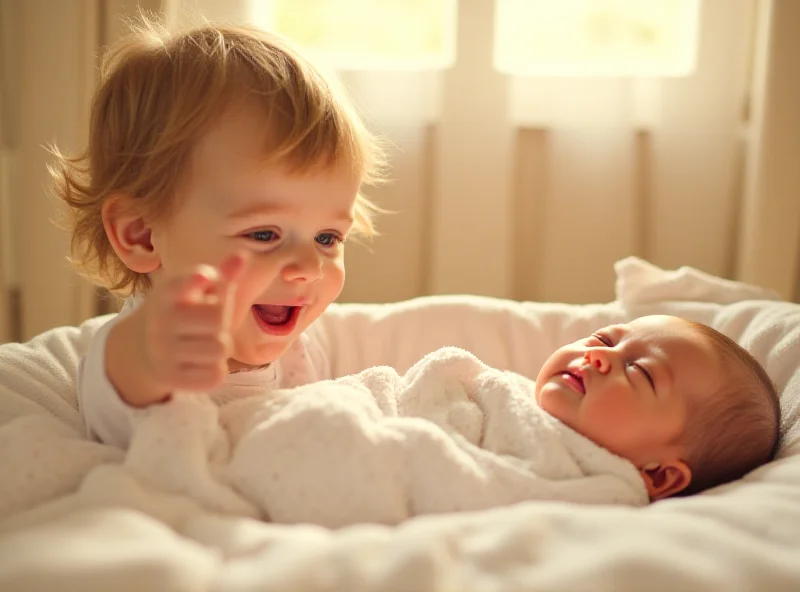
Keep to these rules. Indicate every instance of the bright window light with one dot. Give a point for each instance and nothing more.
(592, 38)
(365, 35)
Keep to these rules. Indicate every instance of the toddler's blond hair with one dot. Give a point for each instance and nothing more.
(159, 92)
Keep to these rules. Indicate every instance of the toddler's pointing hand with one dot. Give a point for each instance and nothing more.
(179, 338)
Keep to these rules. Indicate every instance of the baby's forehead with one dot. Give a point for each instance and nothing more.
(671, 339)
(657, 328)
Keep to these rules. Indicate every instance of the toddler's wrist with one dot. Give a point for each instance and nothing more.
(126, 364)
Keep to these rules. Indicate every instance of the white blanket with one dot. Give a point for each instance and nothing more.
(450, 435)
(130, 535)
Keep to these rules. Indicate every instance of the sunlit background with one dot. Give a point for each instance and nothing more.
(532, 142)
(532, 37)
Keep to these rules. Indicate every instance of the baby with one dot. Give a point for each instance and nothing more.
(634, 413)
(685, 404)
(220, 146)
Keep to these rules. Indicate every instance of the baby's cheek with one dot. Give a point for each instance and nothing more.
(613, 414)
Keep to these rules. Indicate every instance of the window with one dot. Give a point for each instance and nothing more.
(365, 35)
(596, 37)
(588, 38)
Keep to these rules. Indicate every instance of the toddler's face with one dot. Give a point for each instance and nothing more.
(293, 224)
(627, 387)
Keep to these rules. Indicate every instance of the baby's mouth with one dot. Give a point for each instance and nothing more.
(574, 381)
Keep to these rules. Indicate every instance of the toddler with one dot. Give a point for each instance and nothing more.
(221, 179)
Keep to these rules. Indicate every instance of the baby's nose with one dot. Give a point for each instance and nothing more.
(599, 359)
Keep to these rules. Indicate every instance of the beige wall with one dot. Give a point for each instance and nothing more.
(55, 43)
(52, 47)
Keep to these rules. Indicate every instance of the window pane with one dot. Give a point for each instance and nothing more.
(596, 37)
(360, 35)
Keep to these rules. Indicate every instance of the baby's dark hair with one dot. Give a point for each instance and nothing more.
(737, 429)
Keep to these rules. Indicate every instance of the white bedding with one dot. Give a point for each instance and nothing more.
(743, 536)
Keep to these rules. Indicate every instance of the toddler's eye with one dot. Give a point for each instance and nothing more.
(328, 239)
(262, 236)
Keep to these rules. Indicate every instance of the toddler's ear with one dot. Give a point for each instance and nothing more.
(666, 479)
(130, 236)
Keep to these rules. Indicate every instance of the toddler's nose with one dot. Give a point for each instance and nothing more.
(304, 265)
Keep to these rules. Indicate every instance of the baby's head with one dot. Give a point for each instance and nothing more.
(212, 141)
(684, 403)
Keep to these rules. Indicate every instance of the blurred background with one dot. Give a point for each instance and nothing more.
(533, 142)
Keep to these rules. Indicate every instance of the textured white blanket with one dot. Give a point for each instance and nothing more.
(451, 434)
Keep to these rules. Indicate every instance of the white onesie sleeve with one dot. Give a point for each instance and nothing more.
(106, 415)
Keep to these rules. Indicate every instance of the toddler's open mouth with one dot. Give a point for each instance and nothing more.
(276, 319)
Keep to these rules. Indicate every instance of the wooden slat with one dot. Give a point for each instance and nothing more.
(530, 193)
(472, 217)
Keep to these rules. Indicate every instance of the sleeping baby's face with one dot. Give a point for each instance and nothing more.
(628, 388)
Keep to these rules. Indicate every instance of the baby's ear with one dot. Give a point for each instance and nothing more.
(666, 479)
(129, 235)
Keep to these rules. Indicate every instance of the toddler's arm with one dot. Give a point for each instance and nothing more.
(177, 340)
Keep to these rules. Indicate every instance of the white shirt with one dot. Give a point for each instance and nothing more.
(108, 417)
